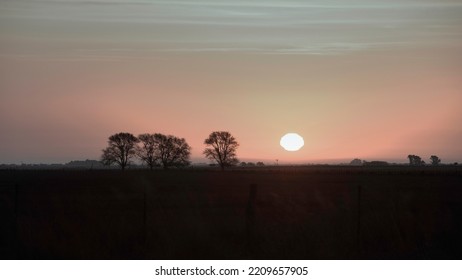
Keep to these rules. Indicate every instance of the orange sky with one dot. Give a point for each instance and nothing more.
(376, 81)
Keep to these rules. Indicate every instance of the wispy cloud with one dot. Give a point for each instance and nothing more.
(266, 27)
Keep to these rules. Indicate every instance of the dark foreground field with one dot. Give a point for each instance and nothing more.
(270, 213)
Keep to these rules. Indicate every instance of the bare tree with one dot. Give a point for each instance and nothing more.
(121, 149)
(221, 147)
(171, 150)
(435, 160)
(147, 152)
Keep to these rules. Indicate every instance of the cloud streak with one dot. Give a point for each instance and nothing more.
(266, 27)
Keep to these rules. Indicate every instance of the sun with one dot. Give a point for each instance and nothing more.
(292, 142)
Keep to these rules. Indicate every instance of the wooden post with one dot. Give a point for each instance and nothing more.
(16, 221)
(250, 218)
(359, 223)
(144, 217)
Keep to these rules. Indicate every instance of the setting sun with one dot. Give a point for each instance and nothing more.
(292, 142)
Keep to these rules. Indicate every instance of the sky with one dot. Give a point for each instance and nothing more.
(375, 80)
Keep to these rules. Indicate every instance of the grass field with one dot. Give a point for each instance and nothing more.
(260, 213)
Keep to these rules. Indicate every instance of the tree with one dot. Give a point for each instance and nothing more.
(166, 150)
(356, 162)
(171, 150)
(415, 160)
(435, 160)
(147, 151)
(121, 149)
(221, 147)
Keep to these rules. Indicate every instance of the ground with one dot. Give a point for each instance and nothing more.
(394, 212)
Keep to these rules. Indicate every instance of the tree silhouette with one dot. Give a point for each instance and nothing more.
(356, 162)
(221, 147)
(415, 160)
(147, 151)
(435, 160)
(411, 159)
(121, 149)
(171, 150)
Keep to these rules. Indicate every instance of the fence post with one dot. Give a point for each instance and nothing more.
(145, 217)
(359, 223)
(250, 218)
(16, 221)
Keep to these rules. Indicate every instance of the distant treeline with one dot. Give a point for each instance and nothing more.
(414, 160)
